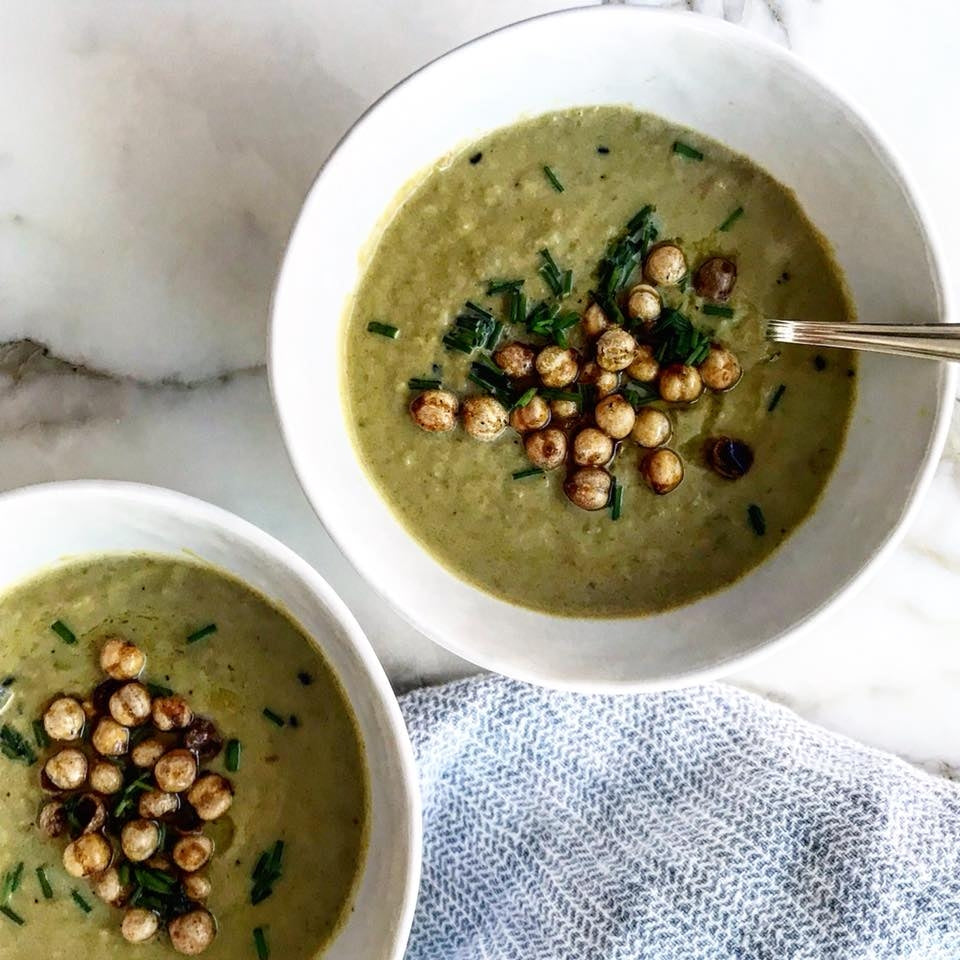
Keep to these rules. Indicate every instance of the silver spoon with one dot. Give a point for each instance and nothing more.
(939, 342)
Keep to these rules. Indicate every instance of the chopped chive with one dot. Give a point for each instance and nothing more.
(80, 902)
(44, 883)
(731, 220)
(552, 177)
(685, 150)
(503, 286)
(202, 632)
(233, 756)
(418, 383)
(16, 875)
(274, 718)
(548, 393)
(553, 280)
(757, 519)
(14, 746)
(616, 499)
(15, 917)
(260, 942)
(776, 398)
(63, 632)
(518, 307)
(525, 397)
(276, 856)
(384, 329)
(529, 472)
(40, 734)
(713, 310)
(262, 862)
(478, 310)
(123, 872)
(156, 690)
(493, 338)
(566, 283)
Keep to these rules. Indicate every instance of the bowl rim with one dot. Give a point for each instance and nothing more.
(947, 374)
(202, 512)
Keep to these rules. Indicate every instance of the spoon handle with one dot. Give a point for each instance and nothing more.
(937, 341)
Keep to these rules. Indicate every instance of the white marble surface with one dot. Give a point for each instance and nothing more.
(152, 157)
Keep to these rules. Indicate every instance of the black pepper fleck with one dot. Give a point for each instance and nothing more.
(476, 158)
(851, 373)
(820, 362)
(603, 150)
(294, 720)
(305, 678)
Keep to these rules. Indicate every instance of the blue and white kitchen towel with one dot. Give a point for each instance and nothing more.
(700, 824)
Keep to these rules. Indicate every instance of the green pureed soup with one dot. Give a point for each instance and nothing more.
(583, 206)
(231, 666)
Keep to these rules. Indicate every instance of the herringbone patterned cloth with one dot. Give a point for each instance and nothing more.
(701, 824)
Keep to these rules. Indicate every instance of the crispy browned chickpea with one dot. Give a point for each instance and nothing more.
(588, 488)
(64, 719)
(109, 888)
(105, 777)
(435, 411)
(558, 366)
(53, 819)
(203, 739)
(592, 448)
(665, 265)
(484, 418)
(594, 321)
(515, 359)
(171, 713)
(191, 933)
(662, 469)
(121, 660)
(715, 278)
(651, 429)
(644, 368)
(176, 771)
(110, 739)
(192, 853)
(146, 753)
(155, 804)
(616, 349)
(546, 449)
(531, 416)
(130, 705)
(644, 303)
(614, 416)
(563, 411)
(729, 457)
(720, 369)
(140, 840)
(603, 381)
(196, 886)
(139, 925)
(679, 383)
(67, 769)
(88, 855)
(211, 796)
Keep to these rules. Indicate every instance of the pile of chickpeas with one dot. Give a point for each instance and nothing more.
(556, 432)
(166, 832)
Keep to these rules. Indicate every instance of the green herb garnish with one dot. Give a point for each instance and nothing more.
(776, 398)
(529, 472)
(489, 377)
(384, 329)
(80, 902)
(201, 633)
(685, 150)
(45, 887)
(15, 747)
(474, 327)
(676, 340)
(260, 942)
(13, 915)
(525, 397)
(11, 881)
(233, 756)
(129, 795)
(555, 278)
(731, 220)
(621, 259)
(268, 871)
(552, 177)
(274, 718)
(40, 734)
(757, 519)
(419, 383)
(714, 310)
(518, 307)
(616, 499)
(548, 393)
(156, 690)
(63, 632)
(503, 286)
(154, 880)
(638, 394)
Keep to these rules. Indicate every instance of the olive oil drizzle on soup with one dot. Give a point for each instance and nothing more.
(530, 202)
(297, 771)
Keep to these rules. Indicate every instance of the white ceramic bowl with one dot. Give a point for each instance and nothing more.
(43, 525)
(761, 101)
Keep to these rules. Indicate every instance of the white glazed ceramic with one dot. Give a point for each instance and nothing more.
(45, 524)
(761, 101)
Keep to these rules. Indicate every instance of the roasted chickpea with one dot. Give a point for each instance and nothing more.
(592, 448)
(616, 349)
(435, 411)
(679, 383)
(196, 886)
(564, 410)
(191, 933)
(594, 321)
(105, 777)
(109, 888)
(515, 359)
(645, 368)
(140, 840)
(121, 660)
(171, 713)
(531, 416)
(111, 739)
(546, 449)
(588, 488)
(139, 925)
(665, 265)
(715, 278)
(558, 366)
(88, 855)
(720, 369)
(603, 381)
(155, 804)
(203, 739)
(176, 771)
(53, 819)
(614, 416)
(67, 769)
(651, 428)
(146, 753)
(729, 457)
(64, 719)
(644, 303)
(484, 418)
(192, 853)
(161, 862)
(130, 705)
(211, 796)
(662, 469)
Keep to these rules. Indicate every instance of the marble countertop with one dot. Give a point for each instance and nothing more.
(152, 158)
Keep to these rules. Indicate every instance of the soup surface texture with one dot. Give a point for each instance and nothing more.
(484, 214)
(304, 783)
